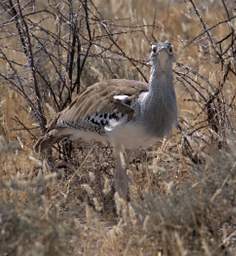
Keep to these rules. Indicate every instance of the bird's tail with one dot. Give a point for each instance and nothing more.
(51, 137)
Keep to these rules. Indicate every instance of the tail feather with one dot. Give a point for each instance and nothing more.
(50, 138)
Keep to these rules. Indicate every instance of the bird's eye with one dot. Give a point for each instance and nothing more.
(170, 50)
(154, 49)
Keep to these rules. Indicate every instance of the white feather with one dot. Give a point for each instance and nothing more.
(121, 97)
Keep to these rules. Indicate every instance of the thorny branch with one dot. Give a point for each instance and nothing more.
(60, 59)
(208, 96)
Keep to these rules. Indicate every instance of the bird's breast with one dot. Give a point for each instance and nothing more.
(131, 135)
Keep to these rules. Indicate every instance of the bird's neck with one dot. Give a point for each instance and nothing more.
(159, 107)
(160, 82)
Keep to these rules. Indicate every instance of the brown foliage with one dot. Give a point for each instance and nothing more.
(183, 195)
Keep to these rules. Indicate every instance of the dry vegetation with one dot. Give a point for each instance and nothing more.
(182, 197)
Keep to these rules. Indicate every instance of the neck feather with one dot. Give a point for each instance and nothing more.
(160, 80)
(159, 108)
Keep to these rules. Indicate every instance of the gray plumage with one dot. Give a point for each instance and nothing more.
(128, 114)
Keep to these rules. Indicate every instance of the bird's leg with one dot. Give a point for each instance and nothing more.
(162, 148)
(47, 162)
(121, 178)
(164, 144)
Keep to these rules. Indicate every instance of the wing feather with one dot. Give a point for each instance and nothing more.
(100, 98)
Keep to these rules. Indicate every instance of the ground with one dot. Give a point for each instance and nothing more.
(182, 195)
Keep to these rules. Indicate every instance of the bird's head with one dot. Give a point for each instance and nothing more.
(162, 55)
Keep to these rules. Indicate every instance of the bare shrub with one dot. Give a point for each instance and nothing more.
(182, 196)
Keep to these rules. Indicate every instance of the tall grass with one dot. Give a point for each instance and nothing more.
(182, 196)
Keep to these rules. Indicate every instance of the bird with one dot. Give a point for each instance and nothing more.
(128, 114)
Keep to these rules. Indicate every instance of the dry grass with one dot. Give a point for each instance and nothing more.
(182, 197)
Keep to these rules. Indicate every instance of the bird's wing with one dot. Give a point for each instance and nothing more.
(110, 96)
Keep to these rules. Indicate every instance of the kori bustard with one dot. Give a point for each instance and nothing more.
(127, 113)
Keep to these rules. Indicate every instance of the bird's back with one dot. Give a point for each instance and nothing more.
(93, 111)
